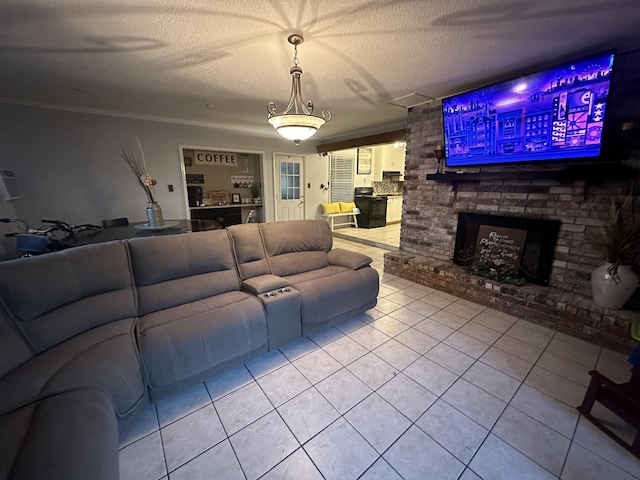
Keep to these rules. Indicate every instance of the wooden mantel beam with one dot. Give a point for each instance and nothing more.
(370, 140)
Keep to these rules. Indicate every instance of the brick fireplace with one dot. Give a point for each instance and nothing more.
(522, 245)
(576, 203)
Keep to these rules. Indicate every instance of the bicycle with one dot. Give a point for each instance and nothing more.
(47, 238)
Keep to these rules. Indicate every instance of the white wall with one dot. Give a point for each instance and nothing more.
(316, 170)
(365, 180)
(384, 157)
(392, 157)
(68, 164)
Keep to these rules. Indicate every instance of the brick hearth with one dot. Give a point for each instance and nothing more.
(568, 312)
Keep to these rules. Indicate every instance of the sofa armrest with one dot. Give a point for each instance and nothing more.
(263, 283)
(346, 258)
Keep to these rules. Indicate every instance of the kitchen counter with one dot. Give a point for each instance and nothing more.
(394, 208)
(228, 205)
(228, 214)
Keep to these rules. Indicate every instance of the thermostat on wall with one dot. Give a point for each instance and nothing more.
(9, 189)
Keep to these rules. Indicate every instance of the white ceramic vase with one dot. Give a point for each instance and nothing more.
(613, 291)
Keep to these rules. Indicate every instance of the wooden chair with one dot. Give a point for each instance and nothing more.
(623, 399)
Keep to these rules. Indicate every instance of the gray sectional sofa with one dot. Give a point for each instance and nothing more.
(90, 334)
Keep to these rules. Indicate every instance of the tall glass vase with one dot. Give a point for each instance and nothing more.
(154, 215)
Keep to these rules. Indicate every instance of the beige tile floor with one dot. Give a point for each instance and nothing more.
(387, 237)
(424, 386)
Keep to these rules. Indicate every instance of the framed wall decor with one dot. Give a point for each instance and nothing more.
(195, 178)
(364, 161)
(235, 198)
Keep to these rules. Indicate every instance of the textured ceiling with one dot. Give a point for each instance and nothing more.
(219, 63)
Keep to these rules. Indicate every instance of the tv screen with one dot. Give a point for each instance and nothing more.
(555, 114)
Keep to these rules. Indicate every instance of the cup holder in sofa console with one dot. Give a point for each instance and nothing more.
(274, 293)
(282, 305)
(283, 316)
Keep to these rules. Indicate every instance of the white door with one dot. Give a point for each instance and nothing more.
(289, 170)
(316, 191)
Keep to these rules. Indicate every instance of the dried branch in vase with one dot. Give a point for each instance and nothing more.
(138, 166)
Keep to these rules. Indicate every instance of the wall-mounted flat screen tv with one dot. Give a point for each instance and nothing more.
(554, 114)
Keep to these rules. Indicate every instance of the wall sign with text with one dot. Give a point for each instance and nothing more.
(223, 159)
(364, 161)
(195, 178)
(499, 246)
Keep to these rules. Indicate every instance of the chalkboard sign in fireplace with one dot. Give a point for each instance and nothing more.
(526, 243)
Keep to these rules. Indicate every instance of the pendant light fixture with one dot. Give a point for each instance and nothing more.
(297, 122)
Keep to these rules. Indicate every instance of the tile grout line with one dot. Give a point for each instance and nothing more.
(507, 404)
(439, 397)
(164, 457)
(522, 382)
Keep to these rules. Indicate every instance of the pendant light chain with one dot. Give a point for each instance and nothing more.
(295, 55)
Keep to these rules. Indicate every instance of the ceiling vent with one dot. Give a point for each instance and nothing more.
(411, 100)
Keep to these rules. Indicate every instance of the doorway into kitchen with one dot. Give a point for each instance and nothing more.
(222, 184)
(379, 175)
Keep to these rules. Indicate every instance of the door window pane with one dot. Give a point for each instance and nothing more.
(289, 181)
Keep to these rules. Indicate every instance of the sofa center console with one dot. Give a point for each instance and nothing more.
(282, 307)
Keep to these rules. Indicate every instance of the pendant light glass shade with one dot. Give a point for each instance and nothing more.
(296, 126)
(297, 122)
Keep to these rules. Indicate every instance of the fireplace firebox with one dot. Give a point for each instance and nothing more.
(525, 243)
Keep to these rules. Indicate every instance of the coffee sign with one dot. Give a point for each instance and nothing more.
(223, 159)
(498, 246)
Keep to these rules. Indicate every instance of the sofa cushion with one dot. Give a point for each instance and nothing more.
(178, 269)
(13, 350)
(105, 358)
(70, 436)
(54, 297)
(183, 343)
(331, 297)
(314, 274)
(249, 250)
(296, 246)
(349, 259)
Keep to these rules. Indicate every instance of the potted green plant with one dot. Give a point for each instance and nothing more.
(255, 193)
(615, 282)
